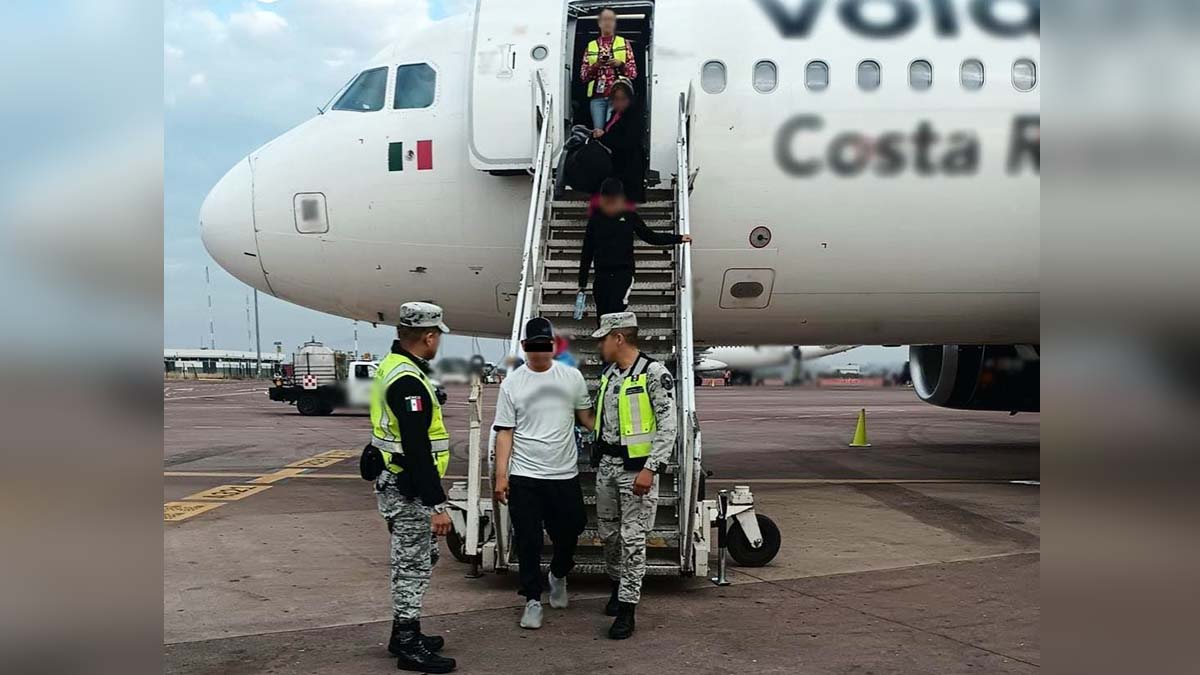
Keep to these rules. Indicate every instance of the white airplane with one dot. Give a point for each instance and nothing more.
(870, 168)
(751, 358)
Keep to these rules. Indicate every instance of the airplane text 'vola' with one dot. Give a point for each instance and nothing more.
(994, 17)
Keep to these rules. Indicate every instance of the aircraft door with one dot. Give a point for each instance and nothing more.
(514, 39)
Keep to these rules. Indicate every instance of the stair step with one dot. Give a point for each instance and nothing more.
(596, 565)
(662, 311)
(574, 332)
(652, 193)
(580, 224)
(570, 286)
(583, 204)
(587, 473)
(573, 265)
(568, 239)
(656, 538)
(663, 500)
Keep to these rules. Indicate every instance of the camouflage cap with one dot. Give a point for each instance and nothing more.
(611, 322)
(421, 315)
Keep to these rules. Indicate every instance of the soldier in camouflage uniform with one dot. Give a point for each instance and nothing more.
(635, 422)
(407, 457)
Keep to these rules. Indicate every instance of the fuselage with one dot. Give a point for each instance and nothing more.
(901, 214)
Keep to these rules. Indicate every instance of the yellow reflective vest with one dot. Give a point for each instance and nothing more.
(385, 429)
(634, 410)
(620, 54)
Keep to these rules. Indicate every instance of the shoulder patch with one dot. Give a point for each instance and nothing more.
(667, 382)
(413, 404)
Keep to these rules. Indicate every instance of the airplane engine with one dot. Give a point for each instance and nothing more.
(977, 377)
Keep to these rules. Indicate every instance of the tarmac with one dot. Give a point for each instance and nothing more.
(919, 554)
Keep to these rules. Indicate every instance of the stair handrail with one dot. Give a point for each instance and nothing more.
(542, 184)
(689, 446)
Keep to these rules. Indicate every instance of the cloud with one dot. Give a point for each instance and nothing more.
(236, 74)
(257, 23)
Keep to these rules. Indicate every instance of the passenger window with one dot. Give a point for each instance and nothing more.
(712, 77)
(971, 74)
(1024, 75)
(920, 75)
(415, 86)
(766, 77)
(366, 93)
(816, 75)
(868, 75)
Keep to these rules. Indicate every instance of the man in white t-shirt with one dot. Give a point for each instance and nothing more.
(536, 464)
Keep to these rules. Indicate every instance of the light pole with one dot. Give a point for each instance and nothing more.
(257, 339)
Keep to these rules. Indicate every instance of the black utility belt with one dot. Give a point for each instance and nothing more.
(612, 449)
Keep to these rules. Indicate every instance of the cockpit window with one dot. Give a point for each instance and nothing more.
(366, 93)
(415, 86)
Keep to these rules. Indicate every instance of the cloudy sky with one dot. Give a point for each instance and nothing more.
(238, 73)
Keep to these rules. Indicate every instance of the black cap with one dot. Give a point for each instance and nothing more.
(538, 328)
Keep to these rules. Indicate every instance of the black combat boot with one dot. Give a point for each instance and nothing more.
(433, 643)
(623, 626)
(412, 654)
(613, 604)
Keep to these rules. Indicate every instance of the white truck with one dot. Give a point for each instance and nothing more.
(316, 387)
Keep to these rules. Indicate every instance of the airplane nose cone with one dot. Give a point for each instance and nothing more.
(227, 226)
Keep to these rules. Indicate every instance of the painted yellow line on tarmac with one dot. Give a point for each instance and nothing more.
(228, 493)
(209, 474)
(173, 512)
(278, 476)
(314, 463)
(211, 498)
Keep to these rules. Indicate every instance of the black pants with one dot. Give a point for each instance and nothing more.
(610, 289)
(556, 505)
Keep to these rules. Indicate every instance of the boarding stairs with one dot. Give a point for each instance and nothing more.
(679, 541)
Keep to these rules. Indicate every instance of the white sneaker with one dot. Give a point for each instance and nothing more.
(558, 591)
(532, 618)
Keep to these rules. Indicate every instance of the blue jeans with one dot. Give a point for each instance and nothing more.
(601, 111)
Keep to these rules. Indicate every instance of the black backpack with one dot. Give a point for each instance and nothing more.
(587, 165)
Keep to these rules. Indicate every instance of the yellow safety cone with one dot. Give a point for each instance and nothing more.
(860, 432)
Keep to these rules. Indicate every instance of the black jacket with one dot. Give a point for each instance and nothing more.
(609, 242)
(626, 138)
(419, 479)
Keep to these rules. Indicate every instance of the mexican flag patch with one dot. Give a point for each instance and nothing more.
(414, 404)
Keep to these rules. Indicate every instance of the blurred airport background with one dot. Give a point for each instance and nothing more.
(81, 282)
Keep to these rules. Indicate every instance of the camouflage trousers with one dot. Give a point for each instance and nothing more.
(624, 519)
(414, 547)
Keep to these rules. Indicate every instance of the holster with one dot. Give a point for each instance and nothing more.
(370, 463)
(594, 453)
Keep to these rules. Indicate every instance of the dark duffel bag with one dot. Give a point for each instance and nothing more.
(587, 166)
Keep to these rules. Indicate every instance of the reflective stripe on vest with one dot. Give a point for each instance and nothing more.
(635, 413)
(385, 430)
(619, 53)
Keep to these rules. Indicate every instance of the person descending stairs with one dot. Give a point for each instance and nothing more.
(654, 299)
